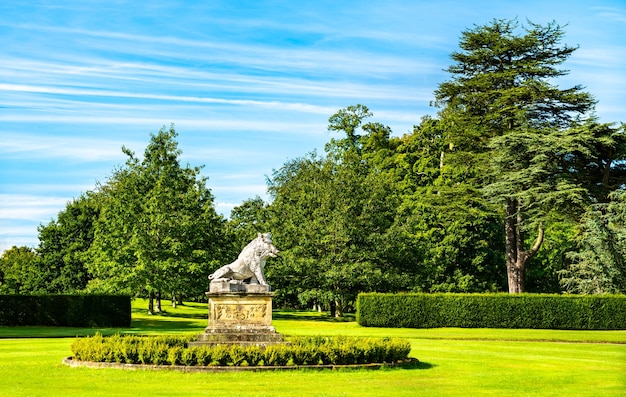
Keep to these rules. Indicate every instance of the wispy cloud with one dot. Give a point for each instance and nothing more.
(79, 79)
(78, 148)
(174, 98)
(16, 235)
(603, 56)
(612, 13)
(228, 54)
(33, 208)
(248, 85)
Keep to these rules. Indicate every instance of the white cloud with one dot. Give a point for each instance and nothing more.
(65, 147)
(303, 107)
(17, 241)
(20, 215)
(229, 54)
(612, 13)
(600, 57)
(43, 189)
(11, 204)
(249, 190)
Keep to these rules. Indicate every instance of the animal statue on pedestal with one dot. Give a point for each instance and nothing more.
(250, 263)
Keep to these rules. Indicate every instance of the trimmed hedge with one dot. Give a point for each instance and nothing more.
(174, 350)
(574, 312)
(65, 310)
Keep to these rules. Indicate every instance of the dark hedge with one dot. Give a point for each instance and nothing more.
(575, 312)
(65, 310)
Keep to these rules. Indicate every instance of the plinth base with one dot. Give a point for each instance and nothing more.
(239, 318)
(230, 286)
(259, 337)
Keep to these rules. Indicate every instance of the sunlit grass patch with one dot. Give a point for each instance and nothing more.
(454, 362)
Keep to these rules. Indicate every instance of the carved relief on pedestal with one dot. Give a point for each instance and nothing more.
(240, 312)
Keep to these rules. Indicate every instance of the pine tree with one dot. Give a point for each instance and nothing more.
(599, 266)
(510, 127)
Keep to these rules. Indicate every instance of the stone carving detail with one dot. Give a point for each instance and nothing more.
(249, 265)
(240, 312)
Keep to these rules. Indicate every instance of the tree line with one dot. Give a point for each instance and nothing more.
(514, 185)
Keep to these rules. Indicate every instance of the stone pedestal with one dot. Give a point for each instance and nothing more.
(239, 317)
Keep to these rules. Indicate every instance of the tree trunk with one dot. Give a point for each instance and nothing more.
(510, 229)
(151, 303)
(516, 256)
(158, 302)
(177, 299)
(338, 309)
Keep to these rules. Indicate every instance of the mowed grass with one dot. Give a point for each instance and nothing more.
(454, 362)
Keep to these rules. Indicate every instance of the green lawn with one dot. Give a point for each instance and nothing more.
(454, 362)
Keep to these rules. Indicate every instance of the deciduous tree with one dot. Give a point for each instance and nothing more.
(330, 215)
(64, 242)
(20, 272)
(158, 230)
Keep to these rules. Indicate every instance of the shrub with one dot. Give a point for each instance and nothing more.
(189, 357)
(65, 310)
(220, 355)
(276, 355)
(254, 355)
(203, 355)
(302, 351)
(236, 355)
(175, 355)
(574, 312)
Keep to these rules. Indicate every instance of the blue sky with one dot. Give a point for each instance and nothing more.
(247, 84)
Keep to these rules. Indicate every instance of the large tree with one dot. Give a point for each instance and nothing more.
(63, 243)
(506, 112)
(20, 272)
(247, 220)
(158, 230)
(57, 265)
(330, 215)
(599, 266)
(452, 236)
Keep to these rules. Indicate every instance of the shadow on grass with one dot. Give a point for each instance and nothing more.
(192, 318)
(416, 365)
(201, 313)
(166, 314)
(192, 310)
(311, 316)
(161, 323)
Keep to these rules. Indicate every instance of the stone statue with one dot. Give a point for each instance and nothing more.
(240, 311)
(249, 264)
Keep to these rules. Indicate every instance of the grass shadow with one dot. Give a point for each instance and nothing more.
(159, 322)
(166, 314)
(311, 316)
(421, 365)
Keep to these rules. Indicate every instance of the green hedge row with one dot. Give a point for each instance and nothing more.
(164, 350)
(575, 312)
(65, 310)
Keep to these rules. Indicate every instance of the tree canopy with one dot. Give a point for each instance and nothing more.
(157, 230)
(505, 108)
(514, 185)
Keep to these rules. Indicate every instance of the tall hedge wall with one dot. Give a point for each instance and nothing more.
(65, 310)
(590, 312)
